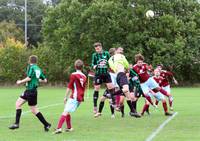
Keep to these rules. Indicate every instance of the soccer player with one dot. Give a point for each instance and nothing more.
(107, 94)
(34, 76)
(77, 85)
(100, 65)
(157, 94)
(147, 83)
(119, 64)
(134, 86)
(165, 83)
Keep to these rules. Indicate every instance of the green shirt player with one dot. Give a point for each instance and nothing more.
(34, 76)
(134, 86)
(100, 65)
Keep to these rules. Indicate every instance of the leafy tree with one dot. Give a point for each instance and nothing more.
(15, 12)
(171, 37)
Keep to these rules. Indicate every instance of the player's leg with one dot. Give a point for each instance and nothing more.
(32, 102)
(40, 116)
(112, 109)
(97, 86)
(101, 104)
(70, 107)
(145, 107)
(122, 106)
(170, 98)
(20, 101)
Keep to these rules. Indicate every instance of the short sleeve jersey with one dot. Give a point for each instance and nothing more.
(77, 84)
(142, 71)
(101, 61)
(159, 80)
(166, 75)
(117, 61)
(35, 73)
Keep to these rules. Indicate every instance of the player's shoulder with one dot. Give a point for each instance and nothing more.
(134, 66)
(106, 52)
(144, 64)
(94, 54)
(78, 73)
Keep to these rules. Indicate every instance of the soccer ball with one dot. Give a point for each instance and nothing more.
(149, 14)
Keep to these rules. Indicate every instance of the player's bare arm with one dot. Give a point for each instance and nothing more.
(23, 80)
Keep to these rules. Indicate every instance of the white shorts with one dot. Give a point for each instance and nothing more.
(114, 79)
(158, 96)
(149, 84)
(71, 105)
(167, 88)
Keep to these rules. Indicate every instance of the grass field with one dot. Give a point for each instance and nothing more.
(185, 126)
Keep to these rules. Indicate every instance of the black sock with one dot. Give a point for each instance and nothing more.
(112, 109)
(131, 106)
(122, 109)
(101, 105)
(134, 103)
(18, 115)
(95, 98)
(42, 119)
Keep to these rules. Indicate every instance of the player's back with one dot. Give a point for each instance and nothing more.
(79, 85)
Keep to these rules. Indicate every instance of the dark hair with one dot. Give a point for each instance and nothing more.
(97, 44)
(33, 59)
(112, 51)
(160, 65)
(139, 57)
(78, 64)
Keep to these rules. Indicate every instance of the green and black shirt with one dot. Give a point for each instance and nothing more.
(35, 73)
(101, 60)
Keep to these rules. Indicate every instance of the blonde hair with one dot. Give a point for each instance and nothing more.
(78, 64)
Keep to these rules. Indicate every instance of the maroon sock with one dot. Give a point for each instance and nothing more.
(149, 99)
(170, 102)
(61, 121)
(164, 92)
(68, 121)
(117, 100)
(165, 106)
(156, 102)
(146, 106)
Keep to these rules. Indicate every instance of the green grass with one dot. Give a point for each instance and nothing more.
(184, 127)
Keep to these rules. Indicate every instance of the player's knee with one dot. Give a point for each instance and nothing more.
(18, 105)
(34, 110)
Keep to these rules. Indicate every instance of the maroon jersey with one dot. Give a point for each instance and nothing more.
(166, 75)
(142, 71)
(159, 80)
(77, 84)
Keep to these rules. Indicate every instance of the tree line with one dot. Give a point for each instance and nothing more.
(69, 29)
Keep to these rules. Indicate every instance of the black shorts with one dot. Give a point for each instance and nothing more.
(102, 78)
(107, 94)
(30, 96)
(122, 79)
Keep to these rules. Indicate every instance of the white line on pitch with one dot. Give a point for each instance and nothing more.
(26, 112)
(150, 138)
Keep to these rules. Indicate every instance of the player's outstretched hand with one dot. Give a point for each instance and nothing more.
(18, 82)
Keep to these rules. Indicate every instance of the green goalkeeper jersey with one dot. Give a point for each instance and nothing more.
(35, 73)
(118, 63)
(101, 61)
